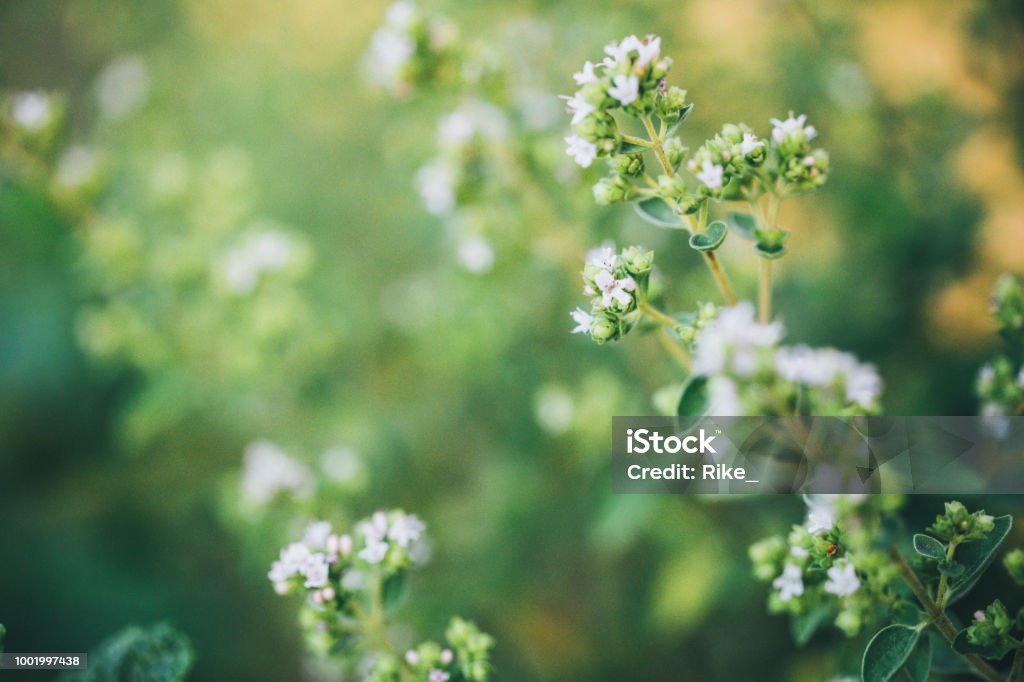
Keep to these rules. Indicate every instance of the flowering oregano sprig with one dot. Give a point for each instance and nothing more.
(351, 581)
(411, 49)
(1000, 383)
(617, 284)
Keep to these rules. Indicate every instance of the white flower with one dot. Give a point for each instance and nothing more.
(648, 50)
(863, 385)
(390, 50)
(734, 334)
(122, 87)
(1020, 378)
(711, 175)
(412, 657)
(792, 125)
(447, 656)
(316, 570)
(618, 53)
(291, 560)
(581, 150)
(584, 321)
(33, 111)
(798, 552)
(750, 143)
(842, 579)
(470, 120)
(374, 551)
(603, 256)
(267, 471)
(317, 533)
(587, 75)
(625, 89)
(261, 253)
(987, 375)
(476, 255)
(406, 529)
(436, 675)
(435, 183)
(578, 107)
(724, 398)
(400, 15)
(994, 421)
(821, 513)
(790, 584)
(614, 290)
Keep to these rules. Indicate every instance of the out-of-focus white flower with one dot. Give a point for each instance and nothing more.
(390, 50)
(994, 420)
(824, 367)
(790, 584)
(290, 562)
(258, 254)
(268, 471)
(122, 87)
(578, 107)
(587, 75)
(584, 321)
(317, 534)
(625, 89)
(750, 143)
(33, 111)
(470, 120)
(435, 183)
(406, 529)
(553, 406)
(436, 675)
(400, 15)
(821, 513)
(316, 570)
(734, 332)
(476, 254)
(581, 150)
(374, 552)
(842, 579)
(724, 398)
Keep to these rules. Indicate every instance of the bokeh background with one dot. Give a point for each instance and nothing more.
(132, 379)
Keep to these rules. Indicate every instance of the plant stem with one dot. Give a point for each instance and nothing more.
(938, 618)
(764, 292)
(639, 141)
(677, 352)
(941, 595)
(1018, 665)
(647, 309)
(709, 256)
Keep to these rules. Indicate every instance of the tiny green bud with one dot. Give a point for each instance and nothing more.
(612, 190)
(671, 102)
(673, 187)
(675, 151)
(629, 165)
(637, 261)
(605, 328)
(1014, 563)
(991, 627)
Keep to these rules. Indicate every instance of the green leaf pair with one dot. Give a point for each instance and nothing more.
(711, 238)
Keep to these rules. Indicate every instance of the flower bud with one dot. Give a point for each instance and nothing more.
(671, 102)
(992, 629)
(637, 261)
(1014, 563)
(673, 187)
(605, 328)
(612, 190)
(345, 545)
(675, 151)
(629, 165)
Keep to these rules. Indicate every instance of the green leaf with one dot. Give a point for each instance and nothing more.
(657, 212)
(683, 113)
(3, 631)
(630, 148)
(693, 403)
(976, 556)
(993, 652)
(887, 652)
(393, 591)
(770, 251)
(743, 224)
(156, 653)
(951, 569)
(804, 625)
(929, 547)
(919, 664)
(710, 239)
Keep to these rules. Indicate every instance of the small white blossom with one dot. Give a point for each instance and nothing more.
(435, 183)
(290, 562)
(750, 143)
(603, 256)
(578, 107)
(316, 570)
(374, 552)
(33, 111)
(842, 579)
(436, 675)
(476, 254)
(587, 75)
(267, 471)
(625, 89)
(473, 119)
(390, 50)
(792, 125)
(790, 584)
(447, 656)
(400, 15)
(341, 464)
(798, 552)
(711, 175)
(406, 529)
(994, 420)
(614, 290)
(584, 321)
(724, 398)
(259, 254)
(648, 50)
(122, 87)
(76, 167)
(618, 53)
(734, 333)
(583, 151)
(317, 533)
(821, 513)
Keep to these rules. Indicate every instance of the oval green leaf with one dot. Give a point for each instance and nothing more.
(887, 652)
(919, 664)
(393, 591)
(657, 212)
(631, 148)
(929, 547)
(710, 239)
(693, 403)
(683, 113)
(770, 251)
(976, 556)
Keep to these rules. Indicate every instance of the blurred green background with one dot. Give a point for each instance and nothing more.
(130, 384)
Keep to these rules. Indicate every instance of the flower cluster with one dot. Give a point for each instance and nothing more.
(350, 581)
(1000, 383)
(828, 564)
(727, 164)
(617, 284)
(748, 373)
(410, 49)
(258, 255)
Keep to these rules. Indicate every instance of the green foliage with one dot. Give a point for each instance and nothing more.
(657, 212)
(888, 651)
(155, 653)
(711, 238)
